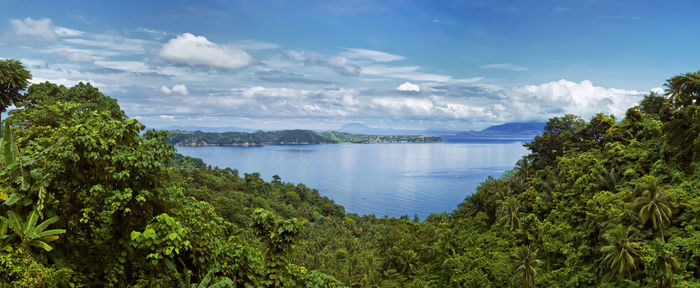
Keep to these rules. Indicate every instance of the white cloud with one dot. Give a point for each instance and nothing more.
(403, 72)
(166, 117)
(468, 80)
(506, 66)
(178, 88)
(405, 106)
(559, 97)
(343, 66)
(449, 104)
(32, 63)
(194, 50)
(377, 56)
(109, 45)
(67, 32)
(408, 86)
(130, 66)
(42, 28)
(339, 64)
(155, 33)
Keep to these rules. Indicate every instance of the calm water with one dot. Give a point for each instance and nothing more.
(382, 179)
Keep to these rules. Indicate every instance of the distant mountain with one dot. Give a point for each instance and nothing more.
(510, 130)
(237, 136)
(353, 126)
(207, 129)
(521, 128)
(517, 130)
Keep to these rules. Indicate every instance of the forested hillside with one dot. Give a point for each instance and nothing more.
(92, 199)
(282, 137)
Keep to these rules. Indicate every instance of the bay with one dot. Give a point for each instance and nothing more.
(385, 179)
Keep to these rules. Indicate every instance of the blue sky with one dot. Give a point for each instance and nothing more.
(320, 64)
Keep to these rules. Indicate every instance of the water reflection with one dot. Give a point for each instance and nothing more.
(382, 179)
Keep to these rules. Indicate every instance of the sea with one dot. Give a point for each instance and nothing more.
(384, 179)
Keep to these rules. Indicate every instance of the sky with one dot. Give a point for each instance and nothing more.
(400, 64)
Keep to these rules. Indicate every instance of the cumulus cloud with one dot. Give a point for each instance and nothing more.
(409, 87)
(559, 97)
(505, 66)
(449, 104)
(374, 55)
(195, 50)
(178, 88)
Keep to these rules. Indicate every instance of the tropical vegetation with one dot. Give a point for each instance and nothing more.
(90, 198)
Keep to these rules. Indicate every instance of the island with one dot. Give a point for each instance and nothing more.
(286, 137)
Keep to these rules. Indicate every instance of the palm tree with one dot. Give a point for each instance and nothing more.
(527, 265)
(684, 90)
(209, 280)
(13, 79)
(503, 190)
(668, 265)
(510, 213)
(608, 180)
(653, 204)
(622, 252)
(523, 168)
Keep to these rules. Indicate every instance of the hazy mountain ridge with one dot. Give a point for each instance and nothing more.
(509, 129)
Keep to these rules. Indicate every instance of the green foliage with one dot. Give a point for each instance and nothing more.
(20, 269)
(278, 235)
(31, 234)
(313, 279)
(89, 97)
(163, 237)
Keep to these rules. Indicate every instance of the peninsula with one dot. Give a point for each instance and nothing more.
(285, 137)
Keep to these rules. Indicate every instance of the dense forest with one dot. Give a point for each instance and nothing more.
(259, 138)
(92, 199)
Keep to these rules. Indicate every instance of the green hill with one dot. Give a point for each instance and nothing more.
(283, 137)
